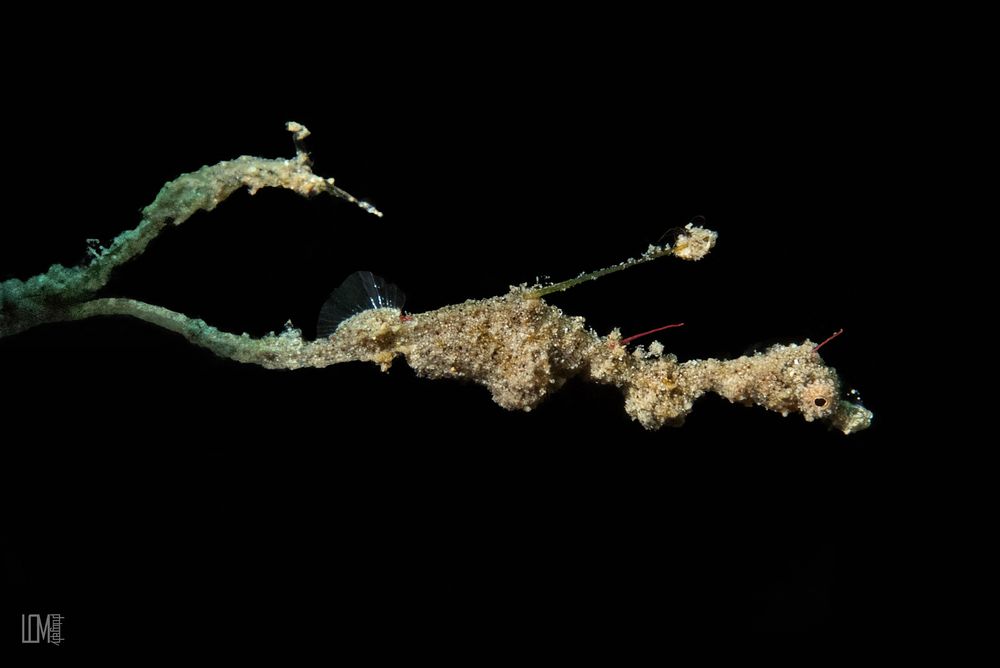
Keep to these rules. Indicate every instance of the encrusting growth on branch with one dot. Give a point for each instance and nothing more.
(517, 346)
(54, 295)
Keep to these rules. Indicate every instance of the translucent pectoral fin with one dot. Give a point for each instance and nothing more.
(359, 292)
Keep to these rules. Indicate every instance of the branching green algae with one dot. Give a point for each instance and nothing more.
(516, 345)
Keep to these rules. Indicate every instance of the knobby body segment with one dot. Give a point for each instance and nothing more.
(523, 349)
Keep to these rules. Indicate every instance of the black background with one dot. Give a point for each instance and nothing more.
(186, 499)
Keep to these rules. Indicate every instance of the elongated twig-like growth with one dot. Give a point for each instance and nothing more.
(516, 345)
(48, 297)
(692, 244)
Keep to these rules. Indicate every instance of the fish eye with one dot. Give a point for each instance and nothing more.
(820, 401)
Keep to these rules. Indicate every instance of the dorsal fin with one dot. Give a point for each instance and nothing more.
(359, 292)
